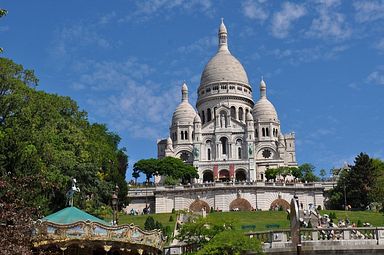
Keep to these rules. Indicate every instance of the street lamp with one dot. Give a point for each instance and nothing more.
(115, 206)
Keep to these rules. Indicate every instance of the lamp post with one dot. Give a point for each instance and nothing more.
(115, 206)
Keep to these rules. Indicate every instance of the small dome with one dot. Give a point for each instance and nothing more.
(249, 116)
(264, 110)
(184, 112)
(197, 119)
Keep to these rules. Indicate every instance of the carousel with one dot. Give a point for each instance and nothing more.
(73, 231)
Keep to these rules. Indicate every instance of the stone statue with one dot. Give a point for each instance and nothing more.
(71, 192)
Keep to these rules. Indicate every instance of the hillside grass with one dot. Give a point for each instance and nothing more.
(260, 219)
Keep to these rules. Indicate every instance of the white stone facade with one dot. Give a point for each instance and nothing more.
(228, 137)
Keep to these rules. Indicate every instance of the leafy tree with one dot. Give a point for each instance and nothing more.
(173, 168)
(231, 242)
(2, 13)
(296, 173)
(360, 181)
(271, 174)
(16, 216)
(149, 167)
(323, 174)
(47, 136)
(308, 172)
(149, 223)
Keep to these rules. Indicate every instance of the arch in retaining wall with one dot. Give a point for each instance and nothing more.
(198, 205)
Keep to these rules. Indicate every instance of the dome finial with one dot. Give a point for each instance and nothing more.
(184, 92)
(223, 36)
(263, 88)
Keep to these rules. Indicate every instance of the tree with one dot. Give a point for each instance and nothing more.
(231, 242)
(2, 13)
(308, 172)
(199, 230)
(271, 174)
(323, 174)
(149, 167)
(296, 173)
(360, 181)
(48, 137)
(149, 223)
(171, 167)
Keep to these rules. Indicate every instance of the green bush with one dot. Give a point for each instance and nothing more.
(319, 207)
(359, 224)
(171, 218)
(149, 223)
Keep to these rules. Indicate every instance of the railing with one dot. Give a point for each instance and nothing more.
(133, 192)
(322, 234)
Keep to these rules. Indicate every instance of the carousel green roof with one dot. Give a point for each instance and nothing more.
(71, 215)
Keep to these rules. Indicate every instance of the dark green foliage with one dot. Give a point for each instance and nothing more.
(48, 137)
(309, 224)
(173, 210)
(171, 218)
(319, 208)
(149, 223)
(308, 173)
(173, 168)
(359, 224)
(231, 242)
(332, 216)
(359, 186)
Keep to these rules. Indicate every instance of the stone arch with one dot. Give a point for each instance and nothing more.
(224, 175)
(280, 203)
(198, 205)
(240, 204)
(241, 175)
(207, 176)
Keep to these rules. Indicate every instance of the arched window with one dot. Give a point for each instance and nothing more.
(267, 131)
(209, 154)
(224, 143)
(233, 112)
(263, 131)
(182, 135)
(209, 115)
(257, 133)
(186, 135)
(241, 113)
(239, 152)
(246, 112)
(202, 117)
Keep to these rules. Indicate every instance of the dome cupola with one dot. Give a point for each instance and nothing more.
(263, 109)
(184, 113)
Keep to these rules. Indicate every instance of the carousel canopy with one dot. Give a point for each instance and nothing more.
(71, 215)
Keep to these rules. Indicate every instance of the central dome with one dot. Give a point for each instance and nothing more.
(223, 67)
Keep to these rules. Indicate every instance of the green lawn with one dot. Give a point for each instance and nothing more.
(139, 220)
(259, 219)
(375, 218)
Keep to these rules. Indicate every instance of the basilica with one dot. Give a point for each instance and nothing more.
(228, 136)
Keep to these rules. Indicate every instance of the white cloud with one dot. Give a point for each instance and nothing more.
(330, 24)
(377, 76)
(369, 10)
(71, 39)
(282, 20)
(254, 10)
(201, 45)
(131, 102)
(380, 45)
(107, 18)
(306, 55)
(152, 8)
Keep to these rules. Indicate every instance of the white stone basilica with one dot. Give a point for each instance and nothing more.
(229, 137)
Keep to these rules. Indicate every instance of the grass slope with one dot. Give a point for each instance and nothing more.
(261, 219)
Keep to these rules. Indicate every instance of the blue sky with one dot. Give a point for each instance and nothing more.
(124, 63)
